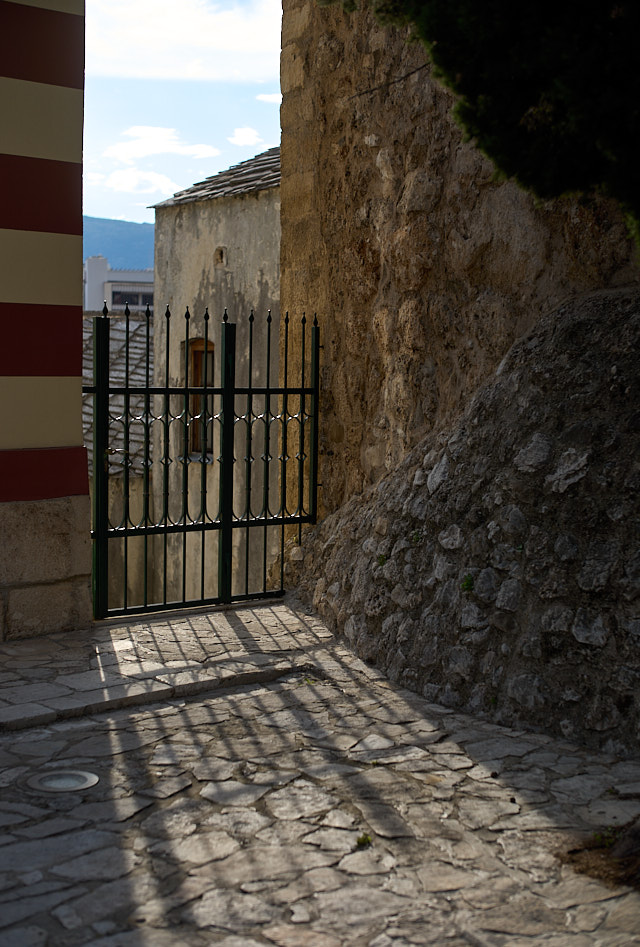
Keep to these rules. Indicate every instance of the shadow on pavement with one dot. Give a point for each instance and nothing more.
(282, 792)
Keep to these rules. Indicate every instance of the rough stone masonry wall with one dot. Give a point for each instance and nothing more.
(485, 548)
(422, 268)
(497, 569)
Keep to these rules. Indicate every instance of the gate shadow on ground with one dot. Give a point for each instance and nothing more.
(270, 809)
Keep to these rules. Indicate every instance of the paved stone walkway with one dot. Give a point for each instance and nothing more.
(259, 785)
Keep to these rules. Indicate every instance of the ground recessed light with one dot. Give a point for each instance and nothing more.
(62, 780)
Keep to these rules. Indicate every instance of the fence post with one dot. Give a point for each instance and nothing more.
(100, 464)
(315, 382)
(225, 549)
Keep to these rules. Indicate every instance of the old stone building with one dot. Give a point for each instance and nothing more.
(480, 453)
(217, 243)
(217, 248)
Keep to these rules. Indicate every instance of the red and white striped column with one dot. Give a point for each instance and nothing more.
(44, 506)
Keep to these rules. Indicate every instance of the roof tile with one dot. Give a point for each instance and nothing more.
(137, 378)
(256, 174)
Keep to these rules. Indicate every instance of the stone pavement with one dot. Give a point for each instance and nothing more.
(259, 785)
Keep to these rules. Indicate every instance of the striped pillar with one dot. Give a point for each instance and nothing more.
(44, 509)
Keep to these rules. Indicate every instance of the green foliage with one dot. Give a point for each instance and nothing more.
(381, 559)
(550, 91)
(607, 837)
(364, 840)
(467, 583)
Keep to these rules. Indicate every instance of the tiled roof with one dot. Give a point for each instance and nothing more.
(117, 369)
(256, 174)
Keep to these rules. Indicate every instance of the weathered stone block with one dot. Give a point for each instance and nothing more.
(589, 629)
(557, 618)
(535, 455)
(508, 597)
(44, 540)
(439, 474)
(43, 609)
(572, 467)
(566, 548)
(485, 586)
(597, 567)
(295, 24)
(291, 68)
(451, 538)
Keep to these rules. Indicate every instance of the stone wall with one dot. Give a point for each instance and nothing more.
(497, 568)
(423, 269)
(45, 566)
(479, 417)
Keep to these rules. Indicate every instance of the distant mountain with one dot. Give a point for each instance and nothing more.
(127, 246)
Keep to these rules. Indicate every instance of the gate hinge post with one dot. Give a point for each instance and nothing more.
(315, 382)
(100, 572)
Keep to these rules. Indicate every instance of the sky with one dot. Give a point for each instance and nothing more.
(175, 91)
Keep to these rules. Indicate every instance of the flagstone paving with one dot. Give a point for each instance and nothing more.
(259, 785)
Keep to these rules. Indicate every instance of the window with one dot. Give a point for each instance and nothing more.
(200, 406)
(119, 298)
(146, 299)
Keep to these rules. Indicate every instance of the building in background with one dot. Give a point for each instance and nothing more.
(217, 244)
(116, 288)
(45, 562)
(217, 247)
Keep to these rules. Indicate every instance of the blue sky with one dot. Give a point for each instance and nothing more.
(176, 90)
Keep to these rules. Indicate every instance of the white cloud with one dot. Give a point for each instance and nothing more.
(148, 140)
(93, 177)
(193, 39)
(245, 136)
(133, 181)
(273, 97)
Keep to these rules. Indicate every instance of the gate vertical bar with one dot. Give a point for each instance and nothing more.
(301, 455)
(266, 457)
(186, 416)
(100, 576)
(315, 382)
(248, 451)
(284, 445)
(166, 460)
(146, 483)
(206, 382)
(125, 470)
(225, 549)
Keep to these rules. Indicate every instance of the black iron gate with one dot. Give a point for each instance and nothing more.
(196, 484)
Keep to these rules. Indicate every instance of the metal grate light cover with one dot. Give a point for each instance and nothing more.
(229, 461)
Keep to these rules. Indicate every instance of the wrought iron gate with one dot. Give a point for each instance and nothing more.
(196, 484)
